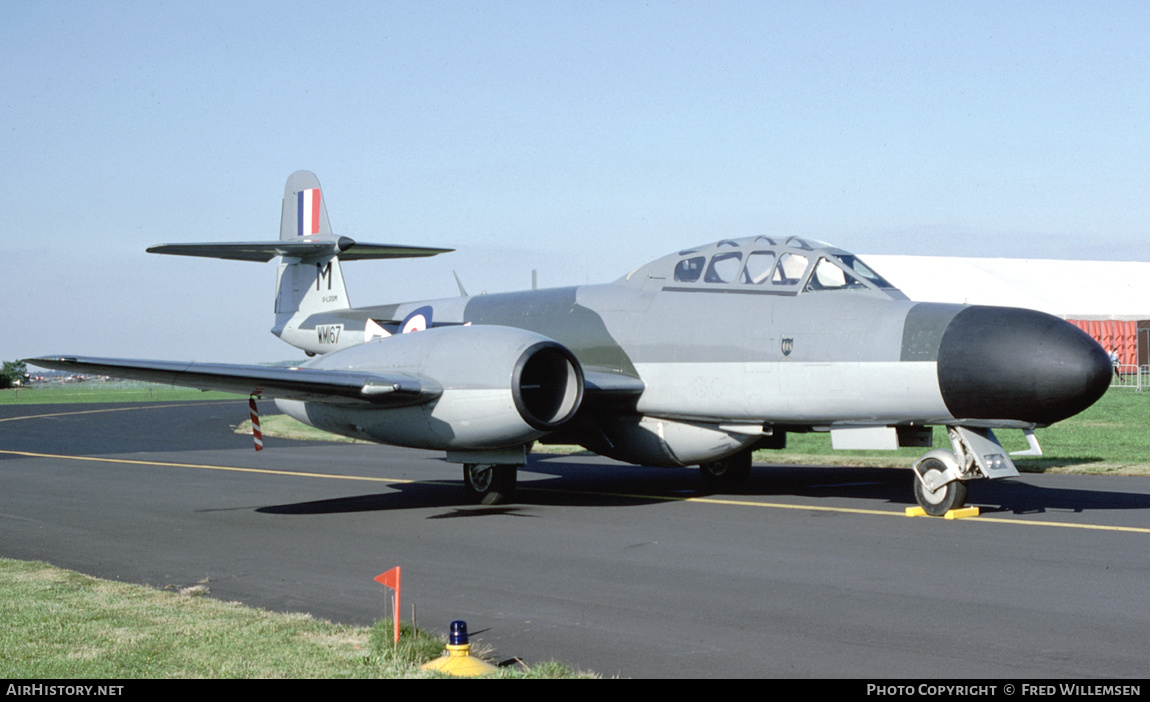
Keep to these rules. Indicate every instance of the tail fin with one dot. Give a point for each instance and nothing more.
(304, 215)
(308, 282)
(310, 279)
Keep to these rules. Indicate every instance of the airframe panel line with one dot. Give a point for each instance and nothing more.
(664, 498)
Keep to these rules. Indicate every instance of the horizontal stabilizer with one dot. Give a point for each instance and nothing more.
(347, 249)
(309, 384)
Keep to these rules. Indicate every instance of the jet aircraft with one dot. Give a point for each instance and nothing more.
(697, 358)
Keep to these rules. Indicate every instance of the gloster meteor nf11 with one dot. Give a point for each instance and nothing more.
(697, 358)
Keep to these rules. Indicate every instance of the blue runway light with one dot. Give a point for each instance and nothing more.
(458, 659)
(458, 635)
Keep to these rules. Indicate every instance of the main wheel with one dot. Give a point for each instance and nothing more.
(490, 484)
(940, 501)
(728, 473)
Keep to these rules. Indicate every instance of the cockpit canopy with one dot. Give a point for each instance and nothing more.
(779, 266)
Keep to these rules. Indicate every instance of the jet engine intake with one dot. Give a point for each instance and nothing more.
(547, 385)
(501, 387)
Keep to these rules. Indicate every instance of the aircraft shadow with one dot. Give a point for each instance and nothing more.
(893, 486)
(1024, 498)
(888, 485)
(443, 495)
(591, 482)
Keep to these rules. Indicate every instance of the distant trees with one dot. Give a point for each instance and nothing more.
(12, 374)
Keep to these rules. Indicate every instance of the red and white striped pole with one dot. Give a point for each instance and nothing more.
(256, 435)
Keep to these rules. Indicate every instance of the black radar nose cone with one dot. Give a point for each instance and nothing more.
(1008, 363)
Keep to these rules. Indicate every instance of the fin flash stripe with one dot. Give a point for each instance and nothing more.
(307, 212)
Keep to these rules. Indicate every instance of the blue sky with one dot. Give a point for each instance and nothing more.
(581, 139)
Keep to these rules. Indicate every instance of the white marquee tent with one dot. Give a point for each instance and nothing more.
(1118, 290)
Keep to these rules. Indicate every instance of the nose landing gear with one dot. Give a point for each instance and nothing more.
(941, 476)
(944, 496)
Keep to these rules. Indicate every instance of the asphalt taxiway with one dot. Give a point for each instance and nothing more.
(626, 571)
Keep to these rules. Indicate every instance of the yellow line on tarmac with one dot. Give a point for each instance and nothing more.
(720, 501)
(846, 510)
(664, 498)
(233, 469)
(996, 520)
(780, 505)
(1067, 525)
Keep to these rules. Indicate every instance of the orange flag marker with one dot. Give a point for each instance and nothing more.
(391, 579)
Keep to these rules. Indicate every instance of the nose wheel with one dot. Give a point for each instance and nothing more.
(490, 484)
(939, 500)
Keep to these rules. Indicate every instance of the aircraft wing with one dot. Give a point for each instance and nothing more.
(310, 384)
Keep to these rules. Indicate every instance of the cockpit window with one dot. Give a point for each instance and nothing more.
(689, 269)
(790, 269)
(828, 276)
(759, 266)
(724, 267)
(800, 243)
(852, 263)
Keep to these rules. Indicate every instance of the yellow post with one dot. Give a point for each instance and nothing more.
(459, 660)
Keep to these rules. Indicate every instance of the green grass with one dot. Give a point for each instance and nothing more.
(1110, 437)
(112, 391)
(284, 427)
(60, 624)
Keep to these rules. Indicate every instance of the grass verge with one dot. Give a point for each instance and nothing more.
(1109, 438)
(56, 623)
(112, 391)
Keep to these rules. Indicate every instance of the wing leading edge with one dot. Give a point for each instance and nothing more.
(309, 384)
(295, 383)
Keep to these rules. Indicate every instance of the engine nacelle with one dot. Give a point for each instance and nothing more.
(501, 387)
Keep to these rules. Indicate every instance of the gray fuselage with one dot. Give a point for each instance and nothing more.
(738, 337)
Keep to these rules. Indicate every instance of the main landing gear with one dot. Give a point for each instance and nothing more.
(727, 474)
(490, 484)
(490, 475)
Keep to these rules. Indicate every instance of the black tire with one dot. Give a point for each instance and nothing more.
(726, 474)
(488, 484)
(948, 497)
